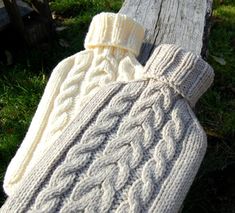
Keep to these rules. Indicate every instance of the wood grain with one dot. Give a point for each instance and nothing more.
(181, 22)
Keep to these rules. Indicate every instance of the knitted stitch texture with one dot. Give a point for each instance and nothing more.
(135, 147)
(111, 44)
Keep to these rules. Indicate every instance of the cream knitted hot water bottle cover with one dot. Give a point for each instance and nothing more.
(111, 44)
(135, 147)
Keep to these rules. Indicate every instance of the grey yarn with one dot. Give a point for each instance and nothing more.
(135, 147)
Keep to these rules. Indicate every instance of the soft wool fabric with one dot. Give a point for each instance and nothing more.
(111, 44)
(135, 147)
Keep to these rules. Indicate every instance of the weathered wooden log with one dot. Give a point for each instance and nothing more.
(182, 22)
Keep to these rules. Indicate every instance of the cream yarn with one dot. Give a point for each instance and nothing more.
(135, 147)
(111, 44)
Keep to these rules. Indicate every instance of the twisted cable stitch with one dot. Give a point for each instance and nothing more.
(64, 102)
(17, 166)
(104, 71)
(72, 90)
(119, 65)
(107, 68)
(141, 191)
(110, 172)
(183, 160)
(79, 155)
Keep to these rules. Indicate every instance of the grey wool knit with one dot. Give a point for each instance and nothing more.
(135, 147)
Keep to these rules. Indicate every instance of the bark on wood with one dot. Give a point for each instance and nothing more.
(180, 22)
(207, 29)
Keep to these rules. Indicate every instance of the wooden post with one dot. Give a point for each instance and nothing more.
(15, 16)
(42, 25)
(182, 22)
(43, 9)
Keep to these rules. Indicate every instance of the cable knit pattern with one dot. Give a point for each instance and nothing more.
(142, 189)
(124, 153)
(65, 100)
(109, 56)
(81, 153)
(138, 152)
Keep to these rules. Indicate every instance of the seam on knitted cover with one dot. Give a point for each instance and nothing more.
(141, 192)
(80, 153)
(112, 164)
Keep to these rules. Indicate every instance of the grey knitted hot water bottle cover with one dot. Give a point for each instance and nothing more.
(135, 147)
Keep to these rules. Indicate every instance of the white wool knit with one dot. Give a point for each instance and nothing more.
(111, 44)
(135, 147)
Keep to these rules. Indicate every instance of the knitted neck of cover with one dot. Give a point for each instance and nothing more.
(114, 31)
(186, 72)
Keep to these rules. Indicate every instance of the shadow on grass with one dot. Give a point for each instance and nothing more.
(213, 189)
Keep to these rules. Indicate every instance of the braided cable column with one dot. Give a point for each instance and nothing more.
(80, 154)
(111, 171)
(142, 189)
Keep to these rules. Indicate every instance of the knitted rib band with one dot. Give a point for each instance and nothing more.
(73, 81)
(115, 30)
(186, 72)
(135, 147)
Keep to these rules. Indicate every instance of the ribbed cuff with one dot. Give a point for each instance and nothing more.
(186, 72)
(110, 29)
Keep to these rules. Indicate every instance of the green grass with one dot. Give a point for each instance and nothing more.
(20, 91)
(22, 84)
(74, 8)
